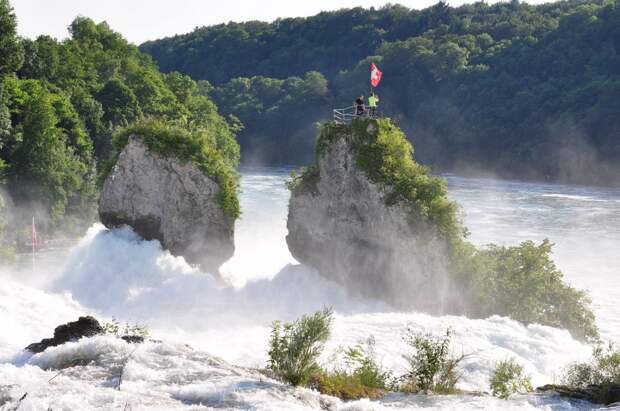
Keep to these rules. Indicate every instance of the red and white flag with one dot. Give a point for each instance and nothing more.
(34, 235)
(375, 75)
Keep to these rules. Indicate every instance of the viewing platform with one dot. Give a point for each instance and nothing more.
(348, 114)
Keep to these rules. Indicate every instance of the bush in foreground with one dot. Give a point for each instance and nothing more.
(508, 378)
(119, 329)
(432, 367)
(603, 368)
(362, 377)
(597, 380)
(294, 348)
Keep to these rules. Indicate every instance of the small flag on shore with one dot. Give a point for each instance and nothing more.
(375, 75)
(34, 235)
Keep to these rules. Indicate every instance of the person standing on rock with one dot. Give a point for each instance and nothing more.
(373, 101)
(359, 106)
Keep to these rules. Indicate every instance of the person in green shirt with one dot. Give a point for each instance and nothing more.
(373, 101)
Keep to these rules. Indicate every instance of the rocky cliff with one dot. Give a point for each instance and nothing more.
(347, 221)
(171, 200)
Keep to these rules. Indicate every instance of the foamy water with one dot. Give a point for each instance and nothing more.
(115, 274)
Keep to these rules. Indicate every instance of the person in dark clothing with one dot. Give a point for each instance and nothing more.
(359, 106)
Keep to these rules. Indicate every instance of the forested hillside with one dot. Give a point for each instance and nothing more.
(60, 104)
(510, 88)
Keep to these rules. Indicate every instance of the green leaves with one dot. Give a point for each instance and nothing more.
(432, 367)
(276, 113)
(59, 111)
(522, 282)
(508, 378)
(11, 51)
(482, 87)
(294, 347)
(50, 159)
(363, 377)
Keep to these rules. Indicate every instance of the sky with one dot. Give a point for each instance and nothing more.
(141, 20)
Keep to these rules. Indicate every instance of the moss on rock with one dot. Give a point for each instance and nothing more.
(386, 156)
(186, 145)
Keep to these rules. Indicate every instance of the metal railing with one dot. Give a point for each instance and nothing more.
(348, 114)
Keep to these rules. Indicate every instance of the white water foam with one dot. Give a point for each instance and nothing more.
(117, 274)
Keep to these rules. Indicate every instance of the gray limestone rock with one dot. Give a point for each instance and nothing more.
(169, 200)
(345, 230)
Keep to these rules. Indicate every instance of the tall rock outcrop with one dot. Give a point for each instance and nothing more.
(170, 200)
(360, 232)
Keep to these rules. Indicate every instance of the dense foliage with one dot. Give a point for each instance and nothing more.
(520, 282)
(521, 90)
(270, 108)
(523, 282)
(60, 105)
(508, 378)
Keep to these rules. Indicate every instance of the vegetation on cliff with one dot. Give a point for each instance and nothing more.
(385, 155)
(519, 89)
(520, 282)
(62, 101)
(199, 146)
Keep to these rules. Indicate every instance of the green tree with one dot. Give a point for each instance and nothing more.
(524, 283)
(11, 51)
(512, 88)
(43, 166)
(59, 111)
(42, 58)
(119, 102)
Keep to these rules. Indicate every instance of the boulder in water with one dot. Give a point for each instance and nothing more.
(170, 200)
(358, 231)
(72, 331)
(596, 393)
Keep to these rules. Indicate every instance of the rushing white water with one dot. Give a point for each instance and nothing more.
(115, 274)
